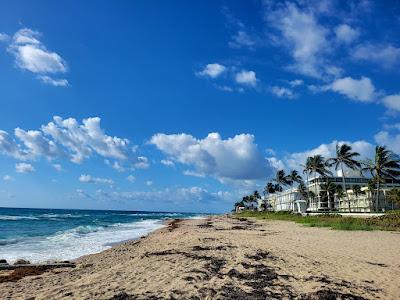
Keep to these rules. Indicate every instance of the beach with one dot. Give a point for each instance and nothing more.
(221, 257)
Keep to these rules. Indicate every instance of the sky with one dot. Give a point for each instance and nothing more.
(187, 105)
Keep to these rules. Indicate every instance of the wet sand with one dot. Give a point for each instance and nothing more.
(226, 258)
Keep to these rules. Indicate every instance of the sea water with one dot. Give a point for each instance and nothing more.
(40, 235)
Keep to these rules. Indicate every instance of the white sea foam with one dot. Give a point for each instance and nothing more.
(16, 218)
(76, 242)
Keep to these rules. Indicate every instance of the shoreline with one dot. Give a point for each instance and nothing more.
(227, 258)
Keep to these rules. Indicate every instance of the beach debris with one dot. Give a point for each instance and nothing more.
(22, 270)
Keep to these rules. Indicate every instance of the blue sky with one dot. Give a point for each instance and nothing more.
(186, 105)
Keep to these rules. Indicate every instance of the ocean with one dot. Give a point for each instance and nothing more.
(41, 235)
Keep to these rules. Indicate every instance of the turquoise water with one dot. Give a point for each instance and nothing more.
(54, 234)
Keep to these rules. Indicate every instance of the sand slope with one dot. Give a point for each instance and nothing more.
(225, 258)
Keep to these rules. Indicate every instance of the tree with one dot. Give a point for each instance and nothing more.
(317, 165)
(339, 192)
(345, 157)
(269, 188)
(280, 179)
(329, 189)
(386, 165)
(293, 177)
(394, 196)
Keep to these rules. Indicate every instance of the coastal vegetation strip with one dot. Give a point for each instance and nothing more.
(389, 221)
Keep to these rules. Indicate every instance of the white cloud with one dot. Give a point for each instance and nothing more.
(390, 137)
(246, 78)
(90, 179)
(212, 70)
(167, 162)
(9, 147)
(24, 168)
(346, 34)
(356, 89)
(142, 162)
(392, 102)
(282, 92)
(131, 178)
(70, 139)
(243, 39)
(3, 37)
(149, 183)
(385, 55)
(175, 196)
(57, 167)
(193, 173)
(300, 32)
(233, 158)
(8, 178)
(37, 145)
(52, 81)
(31, 55)
(81, 140)
(296, 82)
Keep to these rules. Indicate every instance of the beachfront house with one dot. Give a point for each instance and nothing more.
(361, 198)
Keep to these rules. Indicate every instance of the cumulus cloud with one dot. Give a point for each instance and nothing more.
(32, 55)
(149, 183)
(392, 102)
(282, 92)
(167, 162)
(346, 34)
(356, 89)
(84, 139)
(246, 78)
(142, 162)
(385, 55)
(90, 179)
(212, 70)
(233, 158)
(131, 178)
(296, 82)
(391, 139)
(8, 178)
(70, 139)
(24, 168)
(57, 167)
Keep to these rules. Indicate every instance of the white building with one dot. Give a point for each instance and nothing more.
(292, 200)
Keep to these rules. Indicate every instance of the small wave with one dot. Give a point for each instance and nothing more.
(16, 218)
(76, 242)
(58, 216)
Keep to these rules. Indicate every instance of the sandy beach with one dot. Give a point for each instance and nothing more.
(226, 258)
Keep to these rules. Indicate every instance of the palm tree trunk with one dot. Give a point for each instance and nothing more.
(377, 194)
(344, 187)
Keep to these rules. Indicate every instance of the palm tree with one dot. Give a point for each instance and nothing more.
(339, 192)
(345, 157)
(386, 165)
(357, 191)
(317, 165)
(329, 188)
(280, 180)
(293, 177)
(303, 190)
(269, 188)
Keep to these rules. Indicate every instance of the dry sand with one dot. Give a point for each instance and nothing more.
(226, 258)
